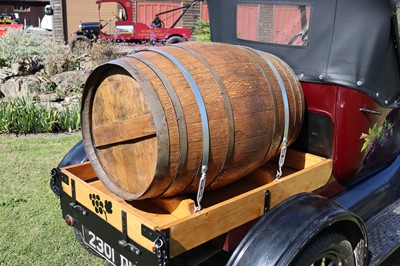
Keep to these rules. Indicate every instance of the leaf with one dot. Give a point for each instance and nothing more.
(365, 145)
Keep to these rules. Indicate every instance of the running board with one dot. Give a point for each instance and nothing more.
(383, 233)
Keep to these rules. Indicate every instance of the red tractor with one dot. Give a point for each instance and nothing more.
(122, 28)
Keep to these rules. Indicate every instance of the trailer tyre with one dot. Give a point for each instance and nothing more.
(80, 42)
(330, 248)
(79, 237)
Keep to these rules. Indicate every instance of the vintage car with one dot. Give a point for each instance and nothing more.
(335, 199)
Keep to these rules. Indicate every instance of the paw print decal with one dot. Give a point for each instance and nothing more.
(101, 207)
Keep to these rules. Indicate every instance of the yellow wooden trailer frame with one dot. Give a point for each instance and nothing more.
(223, 210)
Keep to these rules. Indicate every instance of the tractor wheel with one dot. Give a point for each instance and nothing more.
(80, 44)
(330, 248)
(175, 39)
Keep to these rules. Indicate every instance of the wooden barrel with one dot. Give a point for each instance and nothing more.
(153, 121)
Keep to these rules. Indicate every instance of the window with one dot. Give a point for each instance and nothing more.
(110, 13)
(22, 9)
(280, 24)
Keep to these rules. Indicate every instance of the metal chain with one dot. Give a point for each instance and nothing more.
(200, 191)
(160, 252)
(282, 158)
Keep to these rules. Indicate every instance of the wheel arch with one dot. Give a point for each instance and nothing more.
(280, 235)
(175, 36)
(75, 155)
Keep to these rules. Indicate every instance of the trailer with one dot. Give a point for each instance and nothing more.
(172, 223)
(331, 198)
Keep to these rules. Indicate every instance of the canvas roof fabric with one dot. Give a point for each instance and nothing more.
(350, 43)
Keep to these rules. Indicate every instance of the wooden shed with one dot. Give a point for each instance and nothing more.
(30, 12)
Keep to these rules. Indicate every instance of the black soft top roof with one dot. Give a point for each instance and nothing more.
(350, 43)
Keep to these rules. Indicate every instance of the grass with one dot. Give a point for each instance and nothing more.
(32, 229)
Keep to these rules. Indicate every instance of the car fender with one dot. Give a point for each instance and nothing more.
(280, 235)
(75, 155)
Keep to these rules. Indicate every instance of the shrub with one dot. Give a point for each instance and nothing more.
(23, 116)
(202, 31)
(59, 59)
(103, 51)
(16, 44)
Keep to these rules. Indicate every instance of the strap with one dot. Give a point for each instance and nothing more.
(286, 110)
(203, 116)
(226, 99)
(180, 117)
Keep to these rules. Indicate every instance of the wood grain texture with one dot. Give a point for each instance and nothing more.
(129, 129)
(119, 102)
(227, 215)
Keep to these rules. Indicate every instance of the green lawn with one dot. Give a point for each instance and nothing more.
(32, 231)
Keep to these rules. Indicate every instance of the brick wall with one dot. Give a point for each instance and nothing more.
(58, 25)
(265, 23)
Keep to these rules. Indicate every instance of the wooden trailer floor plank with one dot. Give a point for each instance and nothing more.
(227, 215)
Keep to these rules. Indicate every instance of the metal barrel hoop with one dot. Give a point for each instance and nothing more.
(247, 51)
(160, 124)
(226, 99)
(203, 116)
(180, 118)
(286, 110)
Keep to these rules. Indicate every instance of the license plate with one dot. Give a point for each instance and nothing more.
(104, 249)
